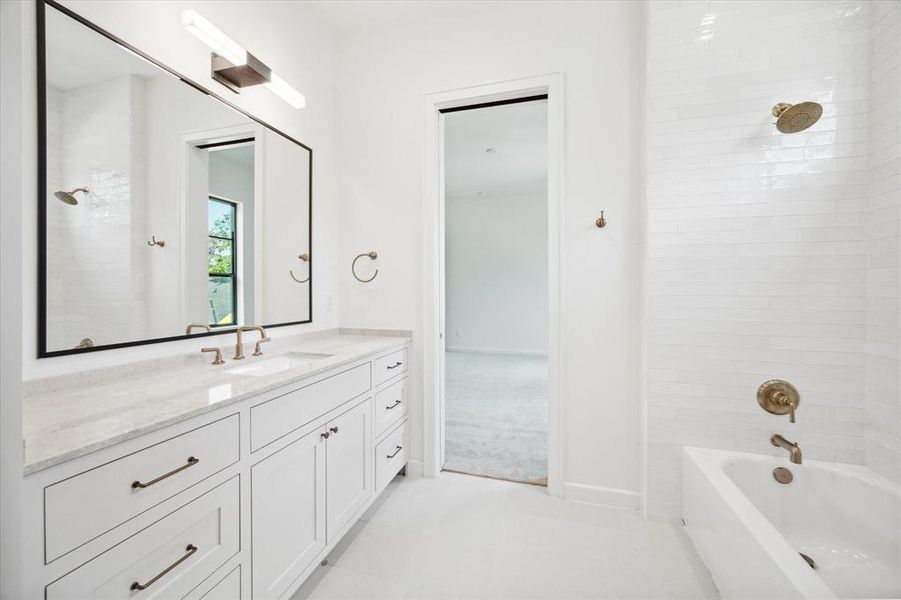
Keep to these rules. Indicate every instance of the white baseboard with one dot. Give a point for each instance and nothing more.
(605, 496)
(495, 351)
(415, 468)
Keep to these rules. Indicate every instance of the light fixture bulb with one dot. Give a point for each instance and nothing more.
(283, 90)
(213, 37)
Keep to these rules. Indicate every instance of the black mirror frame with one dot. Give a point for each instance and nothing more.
(42, 351)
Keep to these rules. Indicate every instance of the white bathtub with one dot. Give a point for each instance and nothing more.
(749, 529)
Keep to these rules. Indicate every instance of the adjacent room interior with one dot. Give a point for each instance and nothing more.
(496, 290)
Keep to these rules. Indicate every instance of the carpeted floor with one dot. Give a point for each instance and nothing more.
(496, 416)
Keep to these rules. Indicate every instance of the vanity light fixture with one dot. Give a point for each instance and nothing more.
(233, 66)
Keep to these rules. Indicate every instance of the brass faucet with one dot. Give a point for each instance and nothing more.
(199, 326)
(239, 347)
(794, 451)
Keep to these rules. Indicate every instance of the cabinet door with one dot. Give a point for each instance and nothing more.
(287, 514)
(349, 466)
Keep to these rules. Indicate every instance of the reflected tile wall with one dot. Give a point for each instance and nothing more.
(95, 272)
(757, 253)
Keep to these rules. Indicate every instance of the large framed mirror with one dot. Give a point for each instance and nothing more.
(160, 204)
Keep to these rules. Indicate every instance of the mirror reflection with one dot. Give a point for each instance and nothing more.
(164, 207)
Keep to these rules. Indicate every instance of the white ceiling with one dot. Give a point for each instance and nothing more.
(242, 154)
(517, 132)
(78, 56)
(348, 16)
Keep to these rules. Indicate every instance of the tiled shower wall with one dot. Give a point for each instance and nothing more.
(95, 263)
(883, 225)
(757, 240)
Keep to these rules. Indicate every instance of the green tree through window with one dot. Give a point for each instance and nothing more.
(223, 282)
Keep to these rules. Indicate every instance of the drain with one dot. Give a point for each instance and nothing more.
(782, 475)
(808, 560)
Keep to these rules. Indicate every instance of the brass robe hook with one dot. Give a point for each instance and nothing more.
(155, 242)
(353, 266)
(305, 258)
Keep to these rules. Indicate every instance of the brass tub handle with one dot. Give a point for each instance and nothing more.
(191, 462)
(395, 365)
(399, 448)
(191, 549)
(395, 405)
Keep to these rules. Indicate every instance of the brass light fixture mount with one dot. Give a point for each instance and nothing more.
(779, 397)
(235, 77)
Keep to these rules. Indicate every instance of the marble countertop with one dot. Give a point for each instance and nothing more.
(70, 416)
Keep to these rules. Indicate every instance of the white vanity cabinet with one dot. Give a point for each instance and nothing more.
(287, 514)
(305, 495)
(348, 458)
(241, 502)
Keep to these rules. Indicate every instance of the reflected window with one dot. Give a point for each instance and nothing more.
(223, 281)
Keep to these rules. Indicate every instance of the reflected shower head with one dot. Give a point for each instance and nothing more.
(69, 197)
(792, 118)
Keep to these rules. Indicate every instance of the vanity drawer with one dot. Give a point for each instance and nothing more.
(169, 558)
(390, 456)
(280, 416)
(78, 509)
(390, 406)
(386, 367)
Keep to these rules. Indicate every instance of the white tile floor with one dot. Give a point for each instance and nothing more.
(459, 536)
(496, 415)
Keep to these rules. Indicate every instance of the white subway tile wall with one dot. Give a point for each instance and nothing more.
(96, 256)
(883, 225)
(758, 241)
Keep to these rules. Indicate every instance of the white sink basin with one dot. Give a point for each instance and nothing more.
(277, 364)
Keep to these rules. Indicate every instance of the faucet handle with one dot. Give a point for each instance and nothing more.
(218, 359)
(779, 397)
(257, 351)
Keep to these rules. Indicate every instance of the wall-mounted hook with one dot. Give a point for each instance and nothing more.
(353, 266)
(305, 258)
(600, 221)
(155, 242)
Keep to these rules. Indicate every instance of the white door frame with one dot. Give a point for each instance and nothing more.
(433, 259)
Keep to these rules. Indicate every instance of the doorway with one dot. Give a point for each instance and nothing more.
(495, 276)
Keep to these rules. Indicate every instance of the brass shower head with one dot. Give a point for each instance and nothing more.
(69, 197)
(792, 118)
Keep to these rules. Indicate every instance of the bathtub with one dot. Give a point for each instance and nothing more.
(749, 529)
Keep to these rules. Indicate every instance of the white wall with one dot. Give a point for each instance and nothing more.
(14, 123)
(290, 39)
(757, 262)
(883, 237)
(496, 273)
(384, 74)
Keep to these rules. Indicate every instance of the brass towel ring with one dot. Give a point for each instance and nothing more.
(305, 258)
(353, 266)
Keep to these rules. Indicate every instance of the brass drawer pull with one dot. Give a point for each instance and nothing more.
(399, 448)
(191, 462)
(395, 365)
(191, 549)
(395, 405)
